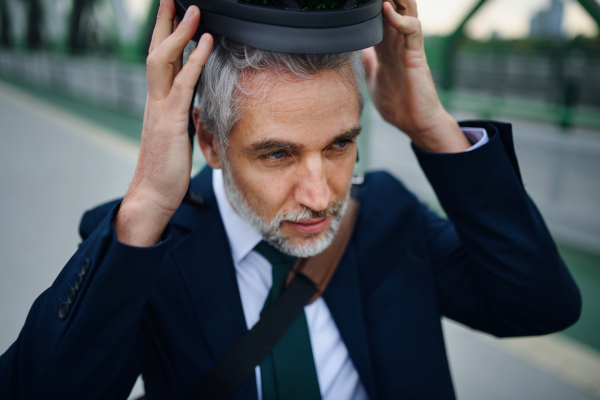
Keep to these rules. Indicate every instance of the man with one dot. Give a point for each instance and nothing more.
(167, 289)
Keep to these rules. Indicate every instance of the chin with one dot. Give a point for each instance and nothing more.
(304, 246)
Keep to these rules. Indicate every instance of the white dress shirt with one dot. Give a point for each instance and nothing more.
(337, 376)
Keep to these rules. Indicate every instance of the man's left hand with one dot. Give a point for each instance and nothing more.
(401, 86)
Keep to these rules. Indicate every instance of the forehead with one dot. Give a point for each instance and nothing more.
(299, 110)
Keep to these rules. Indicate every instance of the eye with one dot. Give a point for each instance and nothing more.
(340, 144)
(276, 155)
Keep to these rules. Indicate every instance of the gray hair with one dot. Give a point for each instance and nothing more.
(221, 81)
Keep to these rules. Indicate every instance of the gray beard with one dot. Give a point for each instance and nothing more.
(271, 230)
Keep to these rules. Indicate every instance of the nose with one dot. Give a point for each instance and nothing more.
(312, 189)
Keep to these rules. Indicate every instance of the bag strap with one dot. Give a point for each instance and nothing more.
(306, 282)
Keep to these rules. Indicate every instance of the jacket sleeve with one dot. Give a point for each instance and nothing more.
(81, 333)
(496, 266)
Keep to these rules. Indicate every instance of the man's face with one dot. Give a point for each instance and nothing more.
(290, 160)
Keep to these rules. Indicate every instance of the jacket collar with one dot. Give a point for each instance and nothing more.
(187, 215)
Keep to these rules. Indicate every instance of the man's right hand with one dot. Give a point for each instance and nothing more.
(164, 165)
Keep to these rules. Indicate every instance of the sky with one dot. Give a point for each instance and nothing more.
(509, 18)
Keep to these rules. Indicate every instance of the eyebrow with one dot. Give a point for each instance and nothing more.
(273, 144)
(350, 134)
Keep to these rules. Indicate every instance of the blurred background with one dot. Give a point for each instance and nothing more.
(72, 95)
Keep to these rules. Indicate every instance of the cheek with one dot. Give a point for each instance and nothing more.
(339, 176)
(266, 192)
(271, 192)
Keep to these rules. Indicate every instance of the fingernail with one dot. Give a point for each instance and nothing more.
(188, 14)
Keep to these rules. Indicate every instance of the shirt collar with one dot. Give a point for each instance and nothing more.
(242, 237)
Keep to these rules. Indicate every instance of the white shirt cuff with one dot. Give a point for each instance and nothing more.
(476, 136)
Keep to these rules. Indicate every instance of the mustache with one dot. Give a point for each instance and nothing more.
(308, 213)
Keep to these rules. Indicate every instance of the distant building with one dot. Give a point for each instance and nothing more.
(547, 23)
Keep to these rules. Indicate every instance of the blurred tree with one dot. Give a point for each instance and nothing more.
(93, 27)
(5, 29)
(148, 28)
(34, 24)
(76, 40)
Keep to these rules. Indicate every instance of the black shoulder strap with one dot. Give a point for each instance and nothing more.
(227, 376)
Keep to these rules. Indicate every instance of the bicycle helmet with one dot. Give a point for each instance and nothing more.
(292, 26)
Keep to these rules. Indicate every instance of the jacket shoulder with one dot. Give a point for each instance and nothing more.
(383, 193)
(390, 225)
(387, 209)
(92, 218)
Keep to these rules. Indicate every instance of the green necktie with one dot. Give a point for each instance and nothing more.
(288, 372)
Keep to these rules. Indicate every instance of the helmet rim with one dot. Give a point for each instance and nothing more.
(290, 30)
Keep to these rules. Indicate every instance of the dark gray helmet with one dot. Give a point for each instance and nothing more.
(292, 26)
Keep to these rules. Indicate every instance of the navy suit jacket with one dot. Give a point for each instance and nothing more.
(173, 310)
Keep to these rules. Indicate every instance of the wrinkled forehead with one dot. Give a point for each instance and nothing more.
(286, 107)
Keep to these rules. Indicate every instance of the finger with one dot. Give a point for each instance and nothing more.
(161, 62)
(184, 83)
(410, 27)
(405, 7)
(179, 62)
(369, 59)
(164, 24)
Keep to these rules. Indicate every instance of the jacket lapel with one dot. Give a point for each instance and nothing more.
(344, 301)
(204, 258)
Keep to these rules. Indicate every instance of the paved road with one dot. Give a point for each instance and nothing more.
(53, 166)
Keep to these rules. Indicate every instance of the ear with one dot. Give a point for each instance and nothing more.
(207, 141)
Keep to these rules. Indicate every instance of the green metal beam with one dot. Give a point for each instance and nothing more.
(593, 8)
(451, 45)
(458, 33)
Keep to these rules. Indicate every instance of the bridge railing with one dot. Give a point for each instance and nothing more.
(110, 83)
